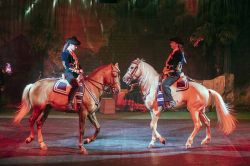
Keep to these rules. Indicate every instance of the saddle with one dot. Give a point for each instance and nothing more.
(62, 87)
(181, 84)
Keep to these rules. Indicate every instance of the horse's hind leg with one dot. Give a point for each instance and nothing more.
(197, 126)
(32, 120)
(40, 121)
(92, 118)
(206, 121)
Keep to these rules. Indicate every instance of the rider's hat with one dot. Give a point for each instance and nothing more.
(73, 40)
(177, 40)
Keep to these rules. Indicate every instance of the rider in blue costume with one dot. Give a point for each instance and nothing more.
(172, 70)
(72, 67)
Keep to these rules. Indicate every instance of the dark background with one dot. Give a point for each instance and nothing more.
(32, 34)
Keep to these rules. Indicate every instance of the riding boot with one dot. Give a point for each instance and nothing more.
(70, 105)
(169, 101)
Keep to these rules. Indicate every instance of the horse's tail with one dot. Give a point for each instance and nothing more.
(227, 121)
(25, 106)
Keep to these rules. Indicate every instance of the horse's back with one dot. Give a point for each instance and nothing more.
(42, 90)
(49, 80)
(198, 86)
(198, 92)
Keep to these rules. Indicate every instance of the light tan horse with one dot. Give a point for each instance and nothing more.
(196, 98)
(40, 94)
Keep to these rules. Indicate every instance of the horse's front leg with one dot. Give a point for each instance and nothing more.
(82, 121)
(92, 118)
(155, 133)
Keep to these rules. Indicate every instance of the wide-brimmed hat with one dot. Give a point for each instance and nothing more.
(73, 40)
(177, 40)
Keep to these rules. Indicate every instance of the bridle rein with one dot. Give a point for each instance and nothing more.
(111, 84)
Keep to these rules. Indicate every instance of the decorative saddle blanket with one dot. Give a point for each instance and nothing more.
(61, 87)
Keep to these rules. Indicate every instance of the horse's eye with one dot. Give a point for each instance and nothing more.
(131, 67)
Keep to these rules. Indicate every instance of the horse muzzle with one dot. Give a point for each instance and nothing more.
(127, 80)
(115, 91)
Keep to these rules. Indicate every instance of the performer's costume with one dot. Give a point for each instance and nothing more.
(172, 72)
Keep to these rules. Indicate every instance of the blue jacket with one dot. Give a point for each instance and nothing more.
(69, 62)
(177, 57)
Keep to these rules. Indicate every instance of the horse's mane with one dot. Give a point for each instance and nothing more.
(91, 74)
(98, 69)
(149, 74)
(148, 70)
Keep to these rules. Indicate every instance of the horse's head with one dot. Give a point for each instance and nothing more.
(133, 71)
(113, 79)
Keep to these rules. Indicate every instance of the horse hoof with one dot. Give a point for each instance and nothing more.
(150, 146)
(205, 142)
(83, 151)
(29, 140)
(87, 141)
(43, 146)
(188, 146)
(163, 141)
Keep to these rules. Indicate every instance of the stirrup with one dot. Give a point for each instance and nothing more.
(70, 107)
(170, 104)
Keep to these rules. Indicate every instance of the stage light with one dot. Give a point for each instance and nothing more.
(31, 7)
(54, 3)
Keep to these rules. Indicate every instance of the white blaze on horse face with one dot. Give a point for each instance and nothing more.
(126, 78)
(131, 73)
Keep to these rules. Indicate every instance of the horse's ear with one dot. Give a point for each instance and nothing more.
(116, 64)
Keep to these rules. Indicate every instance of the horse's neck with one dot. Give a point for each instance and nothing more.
(97, 78)
(148, 80)
(149, 84)
(95, 82)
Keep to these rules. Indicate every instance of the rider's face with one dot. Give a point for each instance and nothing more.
(173, 45)
(72, 47)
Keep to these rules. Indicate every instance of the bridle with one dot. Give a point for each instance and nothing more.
(114, 73)
(112, 83)
(132, 73)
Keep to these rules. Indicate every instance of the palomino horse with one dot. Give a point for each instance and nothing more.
(40, 94)
(196, 98)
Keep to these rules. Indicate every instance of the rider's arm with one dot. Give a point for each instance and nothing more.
(177, 60)
(65, 60)
(80, 69)
(179, 67)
